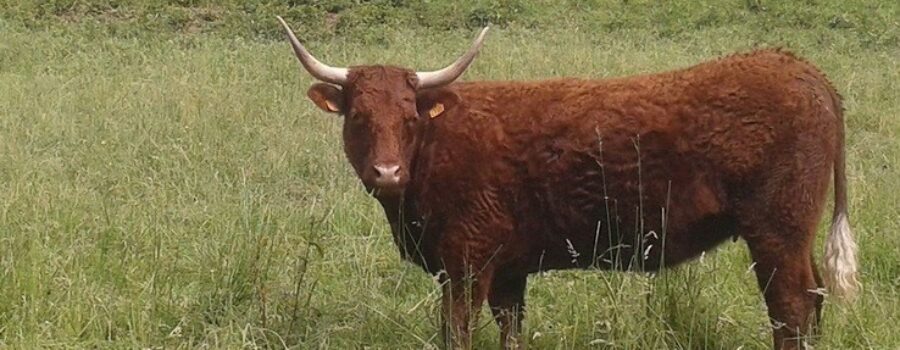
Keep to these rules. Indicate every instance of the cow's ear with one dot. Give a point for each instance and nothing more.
(327, 97)
(433, 103)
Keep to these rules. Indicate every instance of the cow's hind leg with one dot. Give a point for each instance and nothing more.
(780, 233)
(507, 301)
(820, 297)
(785, 276)
(778, 219)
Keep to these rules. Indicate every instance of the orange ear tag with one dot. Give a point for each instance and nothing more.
(331, 106)
(436, 110)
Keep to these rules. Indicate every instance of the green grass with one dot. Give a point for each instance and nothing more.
(165, 187)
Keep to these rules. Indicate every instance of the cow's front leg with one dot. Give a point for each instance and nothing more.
(464, 293)
(469, 261)
(471, 247)
(507, 301)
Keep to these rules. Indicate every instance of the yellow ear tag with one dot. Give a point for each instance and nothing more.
(331, 106)
(436, 110)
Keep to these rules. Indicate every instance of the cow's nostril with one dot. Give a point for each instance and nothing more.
(387, 171)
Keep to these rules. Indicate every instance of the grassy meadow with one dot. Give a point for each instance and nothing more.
(165, 183)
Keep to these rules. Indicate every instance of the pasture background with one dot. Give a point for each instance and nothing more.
(164, 182)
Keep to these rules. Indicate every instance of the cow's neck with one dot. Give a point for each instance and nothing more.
(408, 229)
(393, 207)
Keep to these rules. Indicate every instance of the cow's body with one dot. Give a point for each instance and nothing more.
(624, 173)
(484, 183)
(597, 164)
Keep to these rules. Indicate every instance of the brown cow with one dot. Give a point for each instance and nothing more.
(484, 183)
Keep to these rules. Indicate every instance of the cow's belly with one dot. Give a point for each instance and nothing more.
(624, 216)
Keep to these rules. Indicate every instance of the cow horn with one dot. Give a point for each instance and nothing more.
(317, 69)
(453, 71)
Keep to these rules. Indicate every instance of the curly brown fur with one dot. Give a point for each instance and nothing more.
(633, 173)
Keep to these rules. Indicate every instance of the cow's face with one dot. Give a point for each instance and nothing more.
(381, 123)
(385, 109)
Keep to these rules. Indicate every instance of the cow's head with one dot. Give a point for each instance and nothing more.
(384, 110)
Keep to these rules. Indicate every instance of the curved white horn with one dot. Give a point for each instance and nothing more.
(453, 71)
(317, 69)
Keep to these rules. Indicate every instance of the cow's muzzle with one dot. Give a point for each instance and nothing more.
(388, 179)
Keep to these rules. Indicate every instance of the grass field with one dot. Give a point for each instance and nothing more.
(166, 184)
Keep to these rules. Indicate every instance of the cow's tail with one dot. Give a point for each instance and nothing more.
(840, 247)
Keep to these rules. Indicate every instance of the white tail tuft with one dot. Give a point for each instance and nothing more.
(840, 259)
